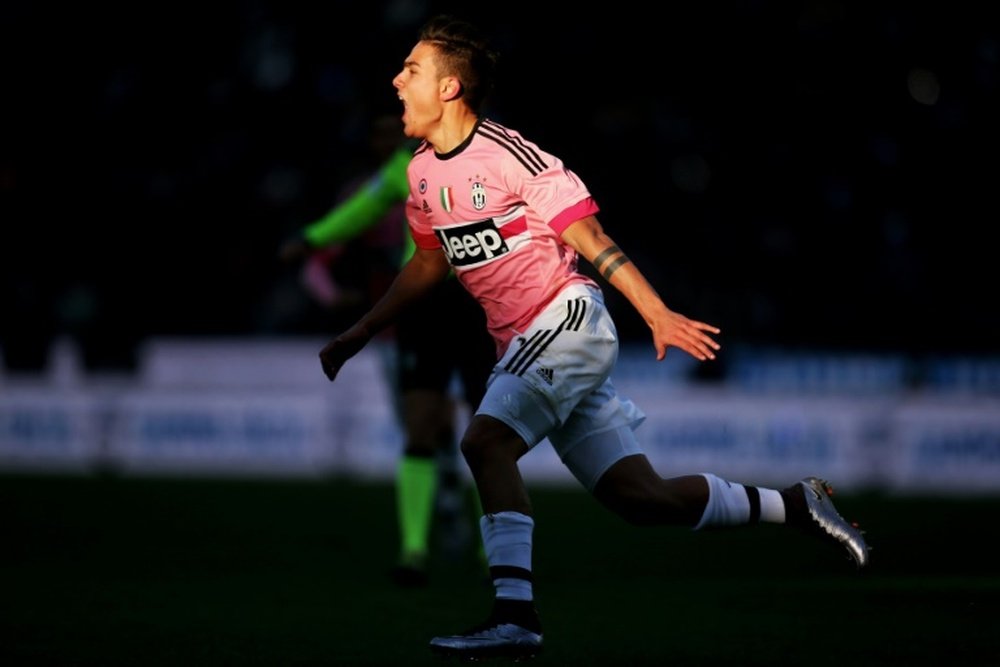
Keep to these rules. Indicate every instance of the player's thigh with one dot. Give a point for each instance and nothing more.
(598, 434)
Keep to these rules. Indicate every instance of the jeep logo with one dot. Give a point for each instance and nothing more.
(472, 243)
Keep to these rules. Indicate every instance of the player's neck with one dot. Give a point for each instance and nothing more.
(456, 124)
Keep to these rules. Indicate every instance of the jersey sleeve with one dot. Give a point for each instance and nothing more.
(365, 207)
(554, 192)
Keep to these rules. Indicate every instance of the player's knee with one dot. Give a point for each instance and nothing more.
(470, 448)
(489, 440)
(479, 451)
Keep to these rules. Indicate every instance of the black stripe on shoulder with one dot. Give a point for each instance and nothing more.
(524, 155)
(519, 141)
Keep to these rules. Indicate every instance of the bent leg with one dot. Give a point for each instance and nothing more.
(492, 449)
(632, 489)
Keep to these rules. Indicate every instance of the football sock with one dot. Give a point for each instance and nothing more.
(507, 541)
(772, 506)
(416, 485)
(732, 504)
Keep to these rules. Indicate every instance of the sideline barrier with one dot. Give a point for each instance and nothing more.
(263, 408)
(50, 431)
(944, 444)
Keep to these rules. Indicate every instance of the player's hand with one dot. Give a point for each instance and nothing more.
(340, 349)
(674, 329)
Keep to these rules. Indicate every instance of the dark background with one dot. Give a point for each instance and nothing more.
(808, 175)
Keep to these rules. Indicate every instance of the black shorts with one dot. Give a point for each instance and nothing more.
(441, 335)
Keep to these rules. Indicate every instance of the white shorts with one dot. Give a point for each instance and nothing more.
(554, 382)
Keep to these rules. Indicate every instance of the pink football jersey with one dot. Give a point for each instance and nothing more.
(497, 205)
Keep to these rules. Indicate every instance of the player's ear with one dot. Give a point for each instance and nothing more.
(451, 88)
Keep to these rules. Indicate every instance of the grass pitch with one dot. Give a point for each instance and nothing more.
(122, 571)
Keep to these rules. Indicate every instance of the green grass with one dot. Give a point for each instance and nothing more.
(113, 571)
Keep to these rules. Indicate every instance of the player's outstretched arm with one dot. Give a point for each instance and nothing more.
(365, 208)
(425, 269)
(669, 328)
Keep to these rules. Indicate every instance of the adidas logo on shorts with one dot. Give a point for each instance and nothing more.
(545, 374)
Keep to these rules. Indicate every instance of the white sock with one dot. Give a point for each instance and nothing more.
(732, 504)
(507, 542)
(772, 506)
(728, 504)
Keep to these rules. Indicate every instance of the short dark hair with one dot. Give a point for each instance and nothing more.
(463, 51)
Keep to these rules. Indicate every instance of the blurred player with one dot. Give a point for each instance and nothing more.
(428, 357)
(511, 220)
